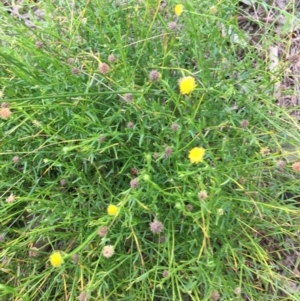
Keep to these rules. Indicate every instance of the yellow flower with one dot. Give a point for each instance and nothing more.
(112, 210)
(56, 259)
(178, 9)
(196, 154)
(187, 85)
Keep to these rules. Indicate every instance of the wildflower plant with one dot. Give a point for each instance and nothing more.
(196, 154)
(131, 140)
(112, 210)
(56, 259)
(187, 85)
(178, 9)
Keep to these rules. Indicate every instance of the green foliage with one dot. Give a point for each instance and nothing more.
(68, 151)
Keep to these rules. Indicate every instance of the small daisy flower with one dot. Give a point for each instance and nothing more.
(296, 166)
(265, 151)
(16, 159)
(202, 195)
(196, 154)
(56, 259)
(187, 85)
(165, 273)
(108, 251)
(134, 183)
(112, 210)
(10, 199)
(178, 9)
(102, 231)
(5, 113)
(103, 68)
(156, 226)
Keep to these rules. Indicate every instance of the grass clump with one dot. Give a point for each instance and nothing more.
(143, 157)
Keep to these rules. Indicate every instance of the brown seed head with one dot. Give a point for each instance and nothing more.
(174, 127)
(71, 61)
(296, 166)
(108, 251)
(75, 258)
(244, 123)
(83, 297)
(130, 125)
(5, 113)
(281, 164)
(189, 207)
(111, 58)
(102, 231)
(128, 97)
(202, 195)
(75, 70)
(154, 75)
(215, 296)
(168, 152)
(156, 226)
(4, 105)
(172, 25)
(39, 44)
(16, 159)
(103, 68)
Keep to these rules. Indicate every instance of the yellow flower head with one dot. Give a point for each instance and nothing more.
(178, 9)
(112, 210)
(56, 259)
(187, 85)
(196, 154)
